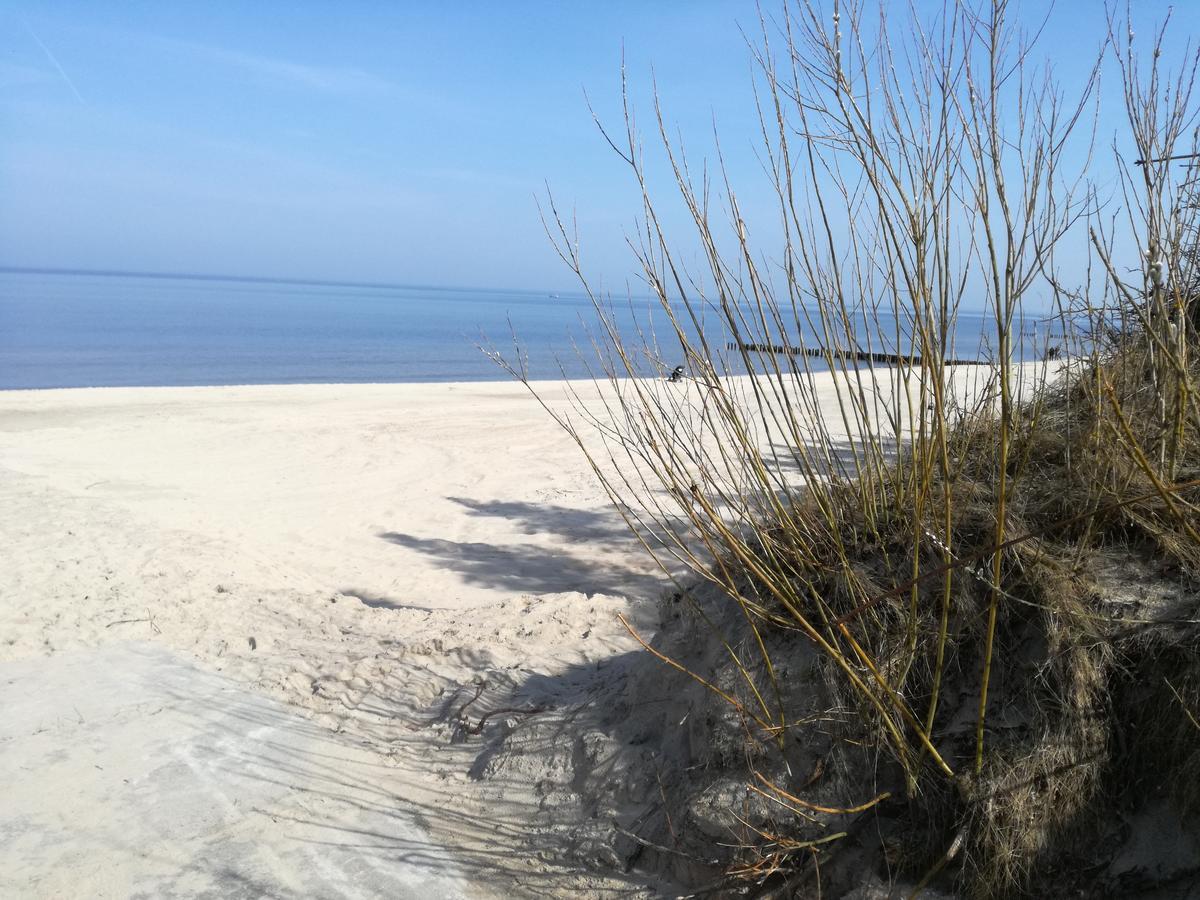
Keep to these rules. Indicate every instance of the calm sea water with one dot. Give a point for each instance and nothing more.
(83, 330)
(77, 330)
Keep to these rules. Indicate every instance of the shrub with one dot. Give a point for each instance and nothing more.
(964, 546)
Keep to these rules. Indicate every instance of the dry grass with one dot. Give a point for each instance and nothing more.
(946, 548)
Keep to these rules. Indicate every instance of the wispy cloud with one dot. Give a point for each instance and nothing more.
(330, 79)
(323, 78)
(54, 62)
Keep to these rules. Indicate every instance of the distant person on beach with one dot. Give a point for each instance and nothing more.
(676, 374)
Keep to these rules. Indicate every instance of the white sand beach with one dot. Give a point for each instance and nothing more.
(356, 552)
(364, 567)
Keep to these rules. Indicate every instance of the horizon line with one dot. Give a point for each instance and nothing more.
(267, 279)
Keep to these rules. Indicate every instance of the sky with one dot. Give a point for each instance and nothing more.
(399, 142)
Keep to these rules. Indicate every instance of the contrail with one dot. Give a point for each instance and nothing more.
(54, 62)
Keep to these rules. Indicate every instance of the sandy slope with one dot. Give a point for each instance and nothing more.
(383, 547)
(374, 555)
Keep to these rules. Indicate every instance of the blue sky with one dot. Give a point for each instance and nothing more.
(397, 142)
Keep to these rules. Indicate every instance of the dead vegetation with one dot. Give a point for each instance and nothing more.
(951, 619)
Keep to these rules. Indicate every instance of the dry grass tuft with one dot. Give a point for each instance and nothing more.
(1083, 671)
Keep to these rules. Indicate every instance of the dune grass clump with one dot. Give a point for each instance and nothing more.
(995, 566)
(1099, 618)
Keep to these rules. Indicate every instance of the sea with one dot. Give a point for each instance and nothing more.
(87, 329)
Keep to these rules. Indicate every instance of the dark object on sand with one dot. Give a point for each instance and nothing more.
(1053, 352)
(676, 374)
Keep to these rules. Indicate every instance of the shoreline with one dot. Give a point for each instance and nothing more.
(548, 382)
(288, 384)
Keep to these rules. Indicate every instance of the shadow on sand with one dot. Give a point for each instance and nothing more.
(607, 560)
